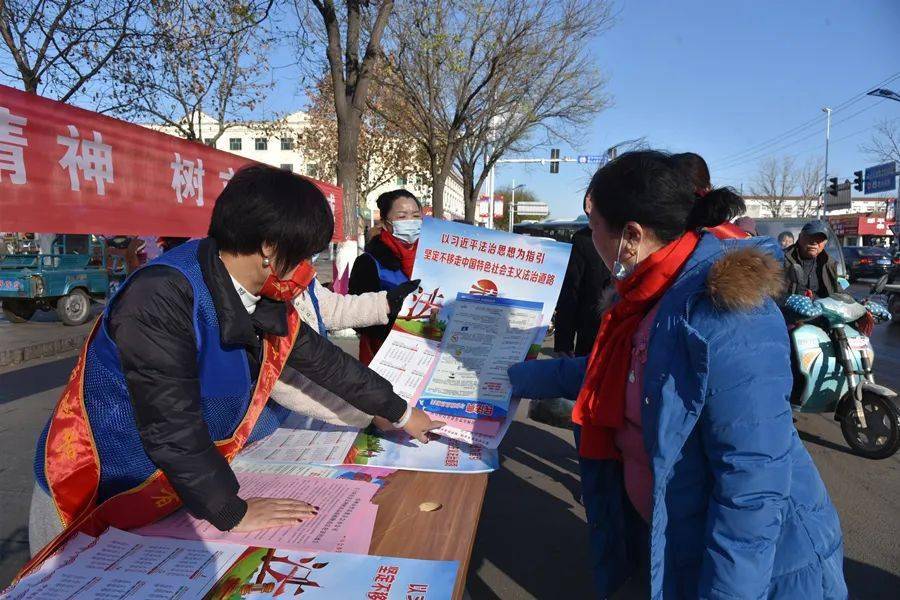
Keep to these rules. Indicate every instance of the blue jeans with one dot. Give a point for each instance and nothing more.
(618, 536)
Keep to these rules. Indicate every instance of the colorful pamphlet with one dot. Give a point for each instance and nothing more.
(120, 564)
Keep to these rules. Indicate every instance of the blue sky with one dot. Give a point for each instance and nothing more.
(721, 78)
(716, 77)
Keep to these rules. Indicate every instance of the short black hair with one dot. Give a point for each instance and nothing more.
(652, 188)
(263, 204)
(386, 200)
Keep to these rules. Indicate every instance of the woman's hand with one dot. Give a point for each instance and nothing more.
(383, 424)
(420, 424)
(265, 513)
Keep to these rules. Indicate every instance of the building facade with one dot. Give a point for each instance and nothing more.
(276, 144)
(760, 207)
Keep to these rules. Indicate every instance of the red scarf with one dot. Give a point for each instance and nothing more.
(405, 252)
(600, 408)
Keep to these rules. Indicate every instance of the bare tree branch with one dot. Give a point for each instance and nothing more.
(885, 143)
(473, 90)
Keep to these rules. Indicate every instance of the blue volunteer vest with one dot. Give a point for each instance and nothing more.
(225, 388)
(389, 279)
(320, 322)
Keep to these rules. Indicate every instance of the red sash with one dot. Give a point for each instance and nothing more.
(72, 465)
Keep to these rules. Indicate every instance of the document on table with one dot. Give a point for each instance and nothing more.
(344, 524)
(124, 565)
(120, 565)
(396, 449)
(63, 557)
(377, 475)
(301, 439)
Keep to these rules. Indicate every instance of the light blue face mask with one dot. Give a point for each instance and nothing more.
(407, 230)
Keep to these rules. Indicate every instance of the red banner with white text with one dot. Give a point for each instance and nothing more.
(68, 170)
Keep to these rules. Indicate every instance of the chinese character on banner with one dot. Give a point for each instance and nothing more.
(12, 158)
(92, 159)
(225, 176)
(187, 179)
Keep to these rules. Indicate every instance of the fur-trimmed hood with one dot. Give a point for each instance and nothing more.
(743, 278)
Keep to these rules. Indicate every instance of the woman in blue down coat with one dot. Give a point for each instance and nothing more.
(728, 503)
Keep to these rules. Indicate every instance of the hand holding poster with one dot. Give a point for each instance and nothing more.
(485, 302)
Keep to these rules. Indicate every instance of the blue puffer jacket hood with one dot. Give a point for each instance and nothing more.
(738, 507)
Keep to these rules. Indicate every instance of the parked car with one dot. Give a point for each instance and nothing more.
(867, 262)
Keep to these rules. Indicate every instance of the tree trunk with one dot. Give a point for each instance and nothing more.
(437, 187)
(347, 172)
(441, 166)
(437, 193)
(470, 194)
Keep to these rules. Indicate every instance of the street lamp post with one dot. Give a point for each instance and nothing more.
(512, 204)
(827, 112)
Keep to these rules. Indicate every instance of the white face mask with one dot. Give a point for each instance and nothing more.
(407, 230)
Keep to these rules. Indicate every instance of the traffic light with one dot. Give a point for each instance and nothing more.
(554, 160)
(832, 186)
(858, 181)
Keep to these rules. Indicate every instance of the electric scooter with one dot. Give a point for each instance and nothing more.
(833, 370)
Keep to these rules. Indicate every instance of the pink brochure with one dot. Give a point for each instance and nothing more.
(344, 523)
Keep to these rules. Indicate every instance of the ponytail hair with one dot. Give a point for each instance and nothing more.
(654, 189)
(714, 208)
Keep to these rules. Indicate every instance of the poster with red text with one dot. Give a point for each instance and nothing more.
(64, 169)
(486, 298)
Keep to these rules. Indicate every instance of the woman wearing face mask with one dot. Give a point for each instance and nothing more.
(693, 475)
(176, 376)
(388, 260)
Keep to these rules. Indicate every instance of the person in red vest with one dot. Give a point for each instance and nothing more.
(387, 263)
(175, 378)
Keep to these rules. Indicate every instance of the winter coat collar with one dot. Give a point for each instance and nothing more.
(237, 327)
(383, 254)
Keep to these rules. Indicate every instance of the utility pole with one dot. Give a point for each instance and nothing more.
(827, 112)
(512, 204)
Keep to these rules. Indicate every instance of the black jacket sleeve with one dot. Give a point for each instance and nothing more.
(338, 372)
(567, 306)
(363, 279)
(152, 325)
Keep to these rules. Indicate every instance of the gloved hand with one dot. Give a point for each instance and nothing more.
(396, 296)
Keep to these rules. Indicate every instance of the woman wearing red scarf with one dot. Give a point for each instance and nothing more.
(693, 476)
(388, 260)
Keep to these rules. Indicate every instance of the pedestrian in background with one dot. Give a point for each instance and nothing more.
(388, 260)
(693, 475)
(785, 239)
(578, 308)
(808, 267)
